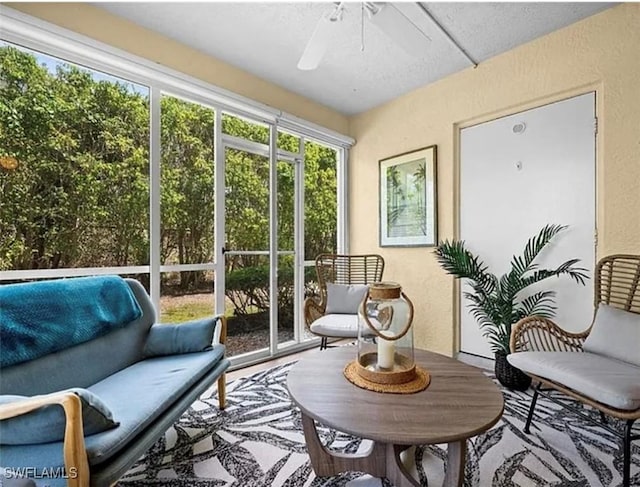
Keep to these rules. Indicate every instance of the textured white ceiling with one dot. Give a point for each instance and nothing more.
(267, 39)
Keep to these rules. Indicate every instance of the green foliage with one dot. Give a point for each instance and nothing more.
(79, 196)
(498, 303)
(248, 288)
(187, 199)
(320, 200)
(237, 126)
(288, 142)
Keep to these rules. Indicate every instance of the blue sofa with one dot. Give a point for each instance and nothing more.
(146, 375)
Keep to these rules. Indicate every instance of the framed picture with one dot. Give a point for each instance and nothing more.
(408, 213)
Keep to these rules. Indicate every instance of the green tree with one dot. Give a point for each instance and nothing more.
(79, 195)
(187, 195)
(320, 200)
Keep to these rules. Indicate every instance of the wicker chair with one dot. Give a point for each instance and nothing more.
(617, 284)
(340, 269)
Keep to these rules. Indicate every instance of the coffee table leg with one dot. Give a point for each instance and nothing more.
(456, 454)
(382, 460)
(397, 473)
(326, 463)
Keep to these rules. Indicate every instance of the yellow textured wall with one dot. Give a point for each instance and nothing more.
(117, 32)
(600, 53)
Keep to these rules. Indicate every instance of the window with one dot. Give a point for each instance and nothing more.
(320, 200)
(75, 182)
(187, 210)
(92, 181)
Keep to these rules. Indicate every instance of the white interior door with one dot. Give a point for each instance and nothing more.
(519, 173)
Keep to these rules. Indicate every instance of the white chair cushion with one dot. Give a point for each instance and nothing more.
(616, 334)
(344, 298)
(336, 325)
(603, 379)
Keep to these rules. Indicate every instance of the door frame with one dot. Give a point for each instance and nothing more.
(274, 155)
(595, 88)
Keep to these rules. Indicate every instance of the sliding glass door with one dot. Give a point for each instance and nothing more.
(260, 271)
(246, 251)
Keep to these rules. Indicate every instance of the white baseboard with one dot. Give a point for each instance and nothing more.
(476, 360)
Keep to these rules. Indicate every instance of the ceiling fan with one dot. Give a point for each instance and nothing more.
(389, 19)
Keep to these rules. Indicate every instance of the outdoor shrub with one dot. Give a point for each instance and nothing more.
(248, 289)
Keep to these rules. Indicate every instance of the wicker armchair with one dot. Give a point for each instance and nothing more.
(340, 269)
(617, 284)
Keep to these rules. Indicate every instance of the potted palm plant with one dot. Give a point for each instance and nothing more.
(499, 302)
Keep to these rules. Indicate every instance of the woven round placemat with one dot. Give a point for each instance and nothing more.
(420, 383)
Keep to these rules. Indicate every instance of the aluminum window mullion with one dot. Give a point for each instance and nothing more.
(202, 99)
(309, 129)
(299, 274)
(343, 201)
(285, 155)
(255, 252)
(246, 145)
(187, 267)
(219, 217)
(154, 197)
(273, 241)
(71, 272)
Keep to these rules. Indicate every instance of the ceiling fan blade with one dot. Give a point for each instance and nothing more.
(317, 44)
(400, 29)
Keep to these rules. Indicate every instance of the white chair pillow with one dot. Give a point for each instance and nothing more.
(615, 334)
(345, 298)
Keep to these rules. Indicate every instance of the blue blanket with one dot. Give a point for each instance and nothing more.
(40, 318)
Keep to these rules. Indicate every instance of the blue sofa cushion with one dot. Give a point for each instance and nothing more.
(140, 393)
(44, 317)
(193, 336)
(47, 424)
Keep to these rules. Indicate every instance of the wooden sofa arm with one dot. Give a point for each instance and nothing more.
(222, 336)
(75, 455)
(537, 334)
(222, 380)
(312, 311)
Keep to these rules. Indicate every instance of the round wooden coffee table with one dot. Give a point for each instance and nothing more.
(460, 402)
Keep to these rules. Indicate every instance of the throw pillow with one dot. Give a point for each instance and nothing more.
(193, 336)
(345, 298)
(47, 424)
(615, 334)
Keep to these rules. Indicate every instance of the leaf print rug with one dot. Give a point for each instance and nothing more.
(257, 441)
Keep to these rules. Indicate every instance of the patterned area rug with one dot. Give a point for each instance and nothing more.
(257, 441)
